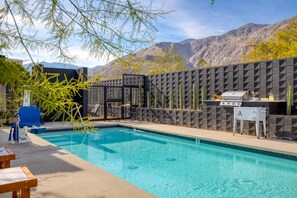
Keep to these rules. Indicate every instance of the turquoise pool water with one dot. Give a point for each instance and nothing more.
(172, 167)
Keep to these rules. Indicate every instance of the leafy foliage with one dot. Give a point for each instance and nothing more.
(129, 65)
(282, 45)
(203, 64)
(168, 62)
(103, 28)
(54, 97)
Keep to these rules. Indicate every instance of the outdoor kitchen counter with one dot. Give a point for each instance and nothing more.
(274, 107)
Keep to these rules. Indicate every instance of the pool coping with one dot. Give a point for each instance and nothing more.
(243, 147)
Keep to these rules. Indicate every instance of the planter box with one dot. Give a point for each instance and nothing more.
(220, 118)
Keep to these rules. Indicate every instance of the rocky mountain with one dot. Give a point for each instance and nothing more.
(224, 49)
(93, 70)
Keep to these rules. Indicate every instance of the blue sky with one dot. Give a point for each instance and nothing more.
(197, 19)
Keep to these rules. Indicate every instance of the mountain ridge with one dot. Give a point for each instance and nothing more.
(224, 49)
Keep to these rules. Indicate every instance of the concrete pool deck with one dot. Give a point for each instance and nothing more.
(62, 174)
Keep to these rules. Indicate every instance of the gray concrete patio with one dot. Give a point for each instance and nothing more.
(62, 174)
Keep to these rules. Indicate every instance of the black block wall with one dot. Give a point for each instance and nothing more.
(263, 77)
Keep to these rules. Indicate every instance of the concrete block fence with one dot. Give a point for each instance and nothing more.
(263, 77)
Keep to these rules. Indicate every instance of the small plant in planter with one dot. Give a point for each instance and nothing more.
(194, 96)
(163, 101)
(134, 98)
(148, 99)
(203, 96)
(140, 95)
(156, 98)
(171, 99)
(181, 96)
(289, 99)
(128, 99)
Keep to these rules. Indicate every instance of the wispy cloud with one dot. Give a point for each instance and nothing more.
(185, 23)
(191, 27)
(83, 58)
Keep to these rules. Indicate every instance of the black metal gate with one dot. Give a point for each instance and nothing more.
(115, 102)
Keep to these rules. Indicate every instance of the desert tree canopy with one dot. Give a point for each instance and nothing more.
(101, 27)
(283, 44)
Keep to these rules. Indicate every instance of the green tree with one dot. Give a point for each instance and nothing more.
(203, 64)
(170, 61)
(129, 65)
(282, 45)
(46, 91)
(103, 28)
(125, 65)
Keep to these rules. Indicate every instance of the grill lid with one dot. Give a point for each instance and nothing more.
(234, 98)
(235, 95)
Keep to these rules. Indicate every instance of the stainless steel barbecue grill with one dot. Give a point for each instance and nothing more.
(234, 98)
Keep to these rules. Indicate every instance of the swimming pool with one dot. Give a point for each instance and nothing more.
(168, 166)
